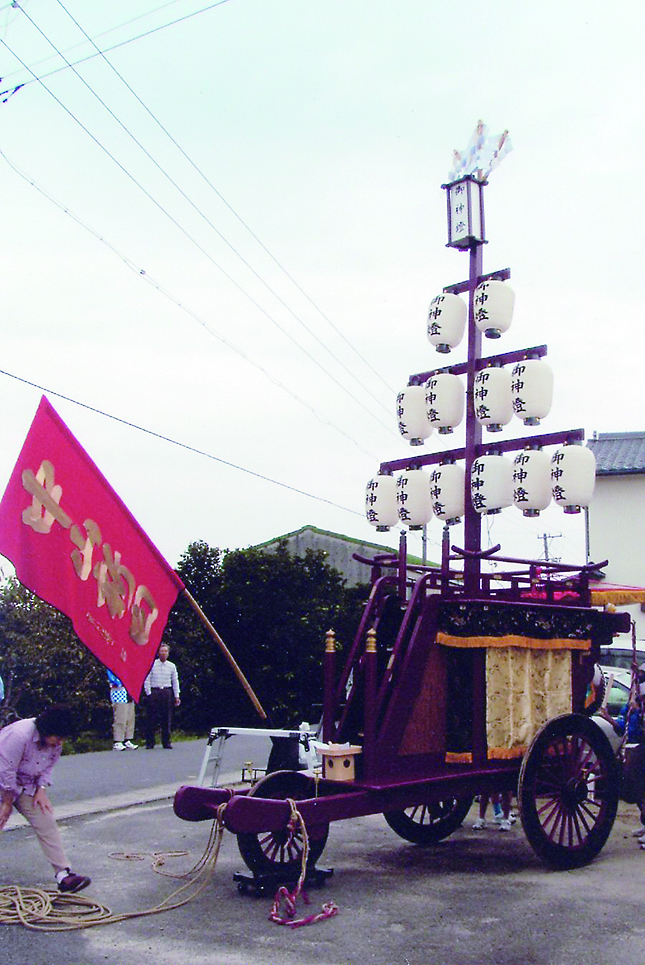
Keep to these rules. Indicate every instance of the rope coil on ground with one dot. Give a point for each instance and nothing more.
(329, 908)
(43, 910)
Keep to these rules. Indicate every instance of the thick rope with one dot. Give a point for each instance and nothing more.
(329, 908)
(43, 910)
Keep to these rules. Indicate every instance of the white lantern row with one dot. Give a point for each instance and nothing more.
(532, 481)
(447, 491)
(499, 393)
(413, 498)
(411, 414)
(493, 402)
(493, 305)
(445, 401)
(532, 390)
(380, 502)
(446, 321)
(528, 482)
(573, 477)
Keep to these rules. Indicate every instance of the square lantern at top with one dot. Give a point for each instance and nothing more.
(465, 212)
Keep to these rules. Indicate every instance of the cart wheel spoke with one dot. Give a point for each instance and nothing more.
(427, 823)
(568, 792)
(276, 851)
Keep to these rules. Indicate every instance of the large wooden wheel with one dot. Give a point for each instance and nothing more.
(568, 791)
(427, 823)
(276, 851)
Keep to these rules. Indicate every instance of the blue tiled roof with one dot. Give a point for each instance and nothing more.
(618, 453)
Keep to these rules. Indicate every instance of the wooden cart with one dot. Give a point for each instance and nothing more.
(450, 694)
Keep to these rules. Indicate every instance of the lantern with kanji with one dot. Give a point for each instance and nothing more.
(573, 477)
(445, 401)
(412, 416)
(493, 306)
(380, 502)
(446, 321)
(465, 212)
(531, 390)
(532, 481)
(491, 484)
(493, 403)
(447, 492)
(413, 498)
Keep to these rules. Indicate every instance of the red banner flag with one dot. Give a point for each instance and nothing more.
(75, 544)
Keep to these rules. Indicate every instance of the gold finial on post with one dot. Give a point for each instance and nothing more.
(330, 642)
(370, 646)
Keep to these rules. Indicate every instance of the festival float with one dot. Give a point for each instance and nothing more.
(462, 678)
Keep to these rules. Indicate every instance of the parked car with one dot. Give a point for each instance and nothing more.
(619, 693)
(618, 655)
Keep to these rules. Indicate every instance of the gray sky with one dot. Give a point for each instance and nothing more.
(267, 306)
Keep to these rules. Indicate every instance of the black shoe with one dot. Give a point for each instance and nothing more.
(72, 883)
(150, 747)
(167, 747)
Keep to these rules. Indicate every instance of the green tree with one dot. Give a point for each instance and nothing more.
(272, 611)
(43, 662)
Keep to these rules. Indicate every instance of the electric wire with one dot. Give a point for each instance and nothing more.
(124, 43)
(144, 276)
(216, 230)
(209, 183)
(180, 445)
(177, 224)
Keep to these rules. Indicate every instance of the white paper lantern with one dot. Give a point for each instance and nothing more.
(413, 498)
(493, 402)
(380, 502)
(532, 481)
(447, 492)
(445, 401)
(412, 416)
(446, 321)
(493, 306)
(573, 477)
(532, 390)
(491, 484)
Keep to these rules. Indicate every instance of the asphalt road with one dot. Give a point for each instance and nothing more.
(478, 898)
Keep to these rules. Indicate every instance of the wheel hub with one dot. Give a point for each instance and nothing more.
(574, 793)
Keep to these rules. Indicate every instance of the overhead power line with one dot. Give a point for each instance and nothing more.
(183, 230)
(144, 276)
(181, 445)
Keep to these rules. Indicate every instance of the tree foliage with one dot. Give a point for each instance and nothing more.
(42, 661)
(271, 609)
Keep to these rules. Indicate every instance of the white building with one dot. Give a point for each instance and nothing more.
(616, 515)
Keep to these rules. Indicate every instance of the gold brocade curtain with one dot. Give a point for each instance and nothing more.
(525, 688)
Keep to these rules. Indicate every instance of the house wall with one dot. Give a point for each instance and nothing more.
(616, 531)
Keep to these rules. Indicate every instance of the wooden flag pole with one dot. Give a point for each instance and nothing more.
(227, 653)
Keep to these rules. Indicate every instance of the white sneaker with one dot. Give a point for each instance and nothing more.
(118, 746)
(505, 824)
(639, 833)
(129, 746)
(478, 824)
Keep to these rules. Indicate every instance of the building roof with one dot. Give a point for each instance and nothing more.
(618, 453)
(378, 547)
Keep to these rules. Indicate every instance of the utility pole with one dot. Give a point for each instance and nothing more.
(546, 537)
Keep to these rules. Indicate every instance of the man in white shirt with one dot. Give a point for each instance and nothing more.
(161, 688)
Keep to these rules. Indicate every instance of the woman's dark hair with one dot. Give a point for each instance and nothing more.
(57, 721)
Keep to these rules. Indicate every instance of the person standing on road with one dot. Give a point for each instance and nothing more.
(28, 751)
(122, 715)
(161, 688)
